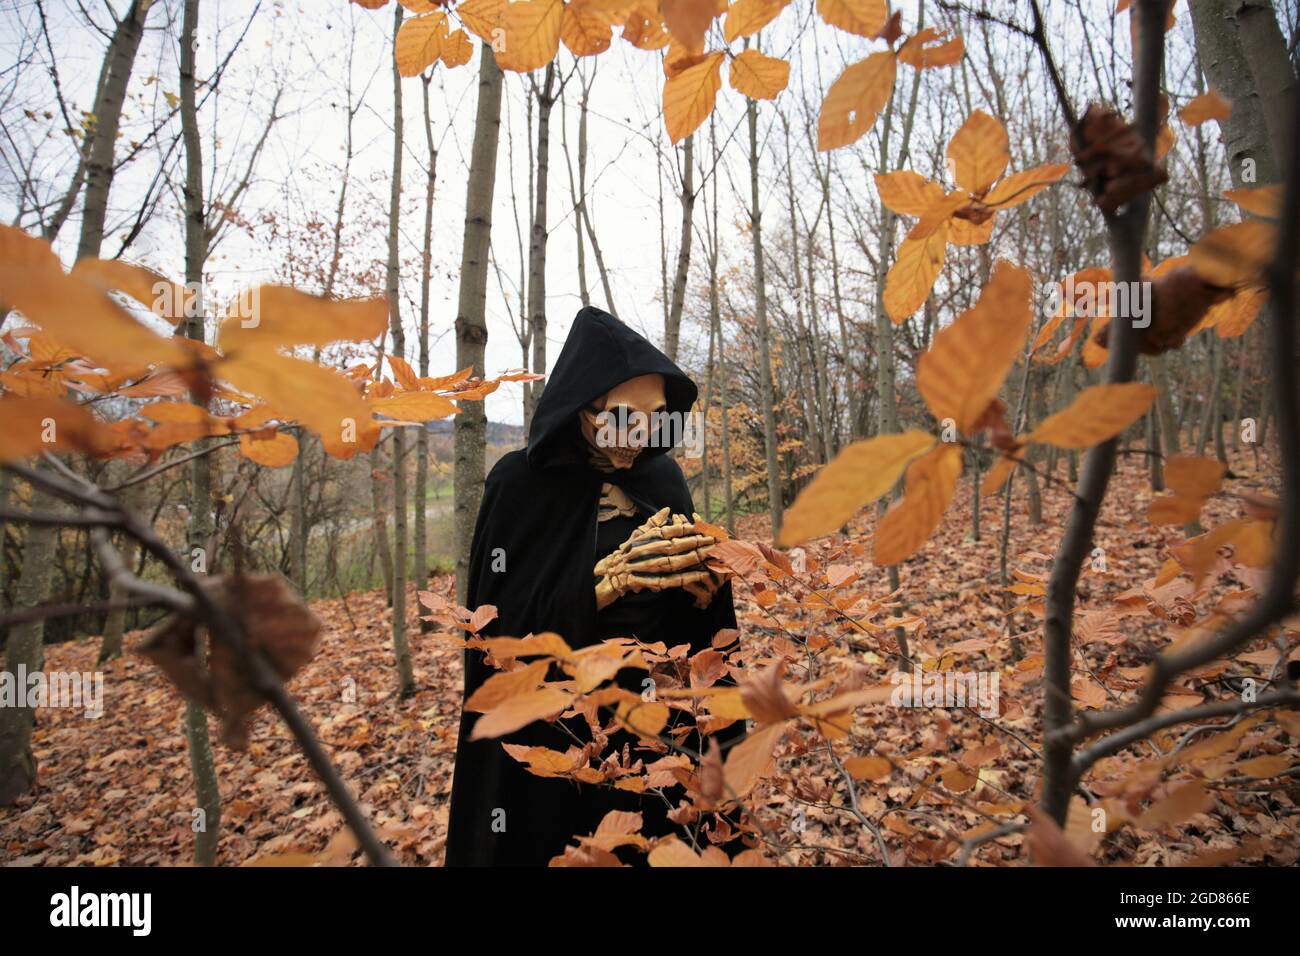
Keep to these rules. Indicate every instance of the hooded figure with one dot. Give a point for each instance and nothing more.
(549, 514)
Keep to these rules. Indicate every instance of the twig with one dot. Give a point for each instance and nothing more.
(1125, 232)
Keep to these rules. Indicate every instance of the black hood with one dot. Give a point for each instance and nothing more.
(600, 352)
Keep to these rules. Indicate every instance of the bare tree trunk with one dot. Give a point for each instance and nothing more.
(766, 394)
(201, 539)
(673, 325)
(379, 520)
(885, 374)
(401, 643)
(107, 117)
(1239, 392)
(300, 522)
(715, 328)
(110, 646)
(813, 415)
(471, 322)
(422, 436)
(1244, 57)
(1154, 460)
(605, 284)
(298, 519)
(711, 377)
(1210, 413)
(537, 244)
(1164, 405)
(24, 649)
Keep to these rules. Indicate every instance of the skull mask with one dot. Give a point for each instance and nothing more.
(620, 423)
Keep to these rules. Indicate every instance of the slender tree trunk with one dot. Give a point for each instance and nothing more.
(537, 244)
(298, 519)
(24, 654)
(421, 564)
(1210, 413)
(401, 643)
(766, 393)
(379, 520)
(207, 825)
(107, 117)
(673, 325)
(301, 517)
(584, 207)
(886, 382)
(715, 323)
(1155, 460)
(1126, 233)
(471, 322)
(110, 646)
(1239, 391)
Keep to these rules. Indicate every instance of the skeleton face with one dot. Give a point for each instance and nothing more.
(617, 424)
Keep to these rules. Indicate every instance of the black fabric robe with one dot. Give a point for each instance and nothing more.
(538, 519)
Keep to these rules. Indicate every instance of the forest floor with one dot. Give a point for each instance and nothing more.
(117, 789)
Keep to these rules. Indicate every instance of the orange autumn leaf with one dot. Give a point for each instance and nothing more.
(415, 406)
(751, 759)
(1261, 200)
(519, 710)
(481, 17)
(1182, 803)
(689, 20)
(855, 99)
(979, 152)
(161, 296)
(1234, 254)
(1018, 187)
(532, 34)
(931, 483)
(276, 315)
(758, 76)
(75, 311)
(857, 476)
(419, 43)
(746, 17)
(922, 52)
(864, 18)
(911, 277)
(964, 367)
(690, 95)
(907, 192)
(583, 30)
(1098, 413)
(1208, 106)
(276, 451)
(36, 425)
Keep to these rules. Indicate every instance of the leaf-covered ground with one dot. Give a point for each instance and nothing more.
(938, 785)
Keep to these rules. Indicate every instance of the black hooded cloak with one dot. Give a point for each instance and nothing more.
(538, 518)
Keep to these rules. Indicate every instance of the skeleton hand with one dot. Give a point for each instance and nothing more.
(665, 552)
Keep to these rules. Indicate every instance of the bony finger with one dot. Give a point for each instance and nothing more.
(668, 562)
(647, 582)
(694, 577)
(680, 559)
(669, 545)
(652, 567)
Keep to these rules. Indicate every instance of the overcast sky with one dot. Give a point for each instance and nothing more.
(304, 48)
